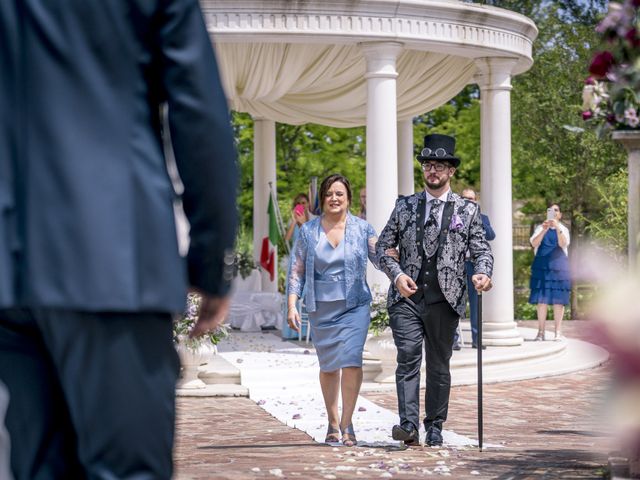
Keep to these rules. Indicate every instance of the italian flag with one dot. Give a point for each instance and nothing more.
(268, 252)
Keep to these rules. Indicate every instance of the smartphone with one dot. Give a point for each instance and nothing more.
(551, 214)
(299, 209)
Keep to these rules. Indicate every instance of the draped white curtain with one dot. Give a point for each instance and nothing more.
(325, 84)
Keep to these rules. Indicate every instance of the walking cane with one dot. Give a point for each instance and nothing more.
(480, 370)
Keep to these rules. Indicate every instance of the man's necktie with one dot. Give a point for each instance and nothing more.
(431, 230)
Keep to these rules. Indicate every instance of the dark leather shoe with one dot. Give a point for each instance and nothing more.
(409, 437)
(475, 345)
(456, 346)
(434, 436)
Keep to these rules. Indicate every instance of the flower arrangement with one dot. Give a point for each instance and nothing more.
(243, 263)
(611, 94)
(379, 313)
(183, 325)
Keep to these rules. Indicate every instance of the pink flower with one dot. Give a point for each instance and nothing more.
(632, 37)
(601, 64)
(591, 80)
(587, 114)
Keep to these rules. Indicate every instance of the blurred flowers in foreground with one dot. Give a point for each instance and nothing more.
(615, 322)
(610, 95)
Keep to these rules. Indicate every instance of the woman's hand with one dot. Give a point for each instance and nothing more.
(299, 218)
(293, 318)
(393, 253)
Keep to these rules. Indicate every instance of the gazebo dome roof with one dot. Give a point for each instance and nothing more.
(299, 61)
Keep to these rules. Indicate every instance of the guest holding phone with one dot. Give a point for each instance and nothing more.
(550, 279)
(299, 214)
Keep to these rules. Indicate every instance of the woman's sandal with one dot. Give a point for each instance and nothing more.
(333, 435)
(349, 436)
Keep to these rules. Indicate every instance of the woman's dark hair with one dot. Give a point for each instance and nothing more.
(330, 180)
(298, 197)
(556, 204)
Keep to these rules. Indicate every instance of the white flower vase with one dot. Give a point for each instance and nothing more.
(383, 348)
(193, 354)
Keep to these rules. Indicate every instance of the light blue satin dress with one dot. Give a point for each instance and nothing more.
(338, 333)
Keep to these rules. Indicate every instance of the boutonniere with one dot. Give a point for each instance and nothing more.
(456, 223)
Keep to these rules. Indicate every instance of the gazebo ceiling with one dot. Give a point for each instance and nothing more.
(301, 61)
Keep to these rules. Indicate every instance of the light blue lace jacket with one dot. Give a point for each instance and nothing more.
(359, 244)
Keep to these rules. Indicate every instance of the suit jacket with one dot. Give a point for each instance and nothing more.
(86, 202)
(359, 244)
(488, 229)
(405, 229)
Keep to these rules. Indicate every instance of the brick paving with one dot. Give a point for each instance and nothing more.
(548, 428)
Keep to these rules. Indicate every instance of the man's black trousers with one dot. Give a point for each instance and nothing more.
(434, 325)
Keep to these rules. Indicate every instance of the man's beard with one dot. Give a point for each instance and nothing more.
(437, 184)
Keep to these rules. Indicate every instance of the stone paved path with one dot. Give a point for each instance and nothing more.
(549, 428)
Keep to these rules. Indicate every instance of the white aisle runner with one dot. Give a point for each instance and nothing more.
(283, 379)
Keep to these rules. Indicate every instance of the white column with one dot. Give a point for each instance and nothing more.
(494, 79)
(631, 141)
(405, 157)
(264, 171)
(382, 140)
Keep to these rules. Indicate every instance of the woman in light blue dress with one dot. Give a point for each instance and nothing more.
(330, 259)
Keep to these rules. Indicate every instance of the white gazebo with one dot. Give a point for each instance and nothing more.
(378, 63)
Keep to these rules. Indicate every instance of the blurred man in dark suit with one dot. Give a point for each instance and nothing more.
(90, 273)
(470, 194)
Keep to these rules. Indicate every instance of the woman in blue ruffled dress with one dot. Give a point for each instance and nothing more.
(330, 259)
(550, 277)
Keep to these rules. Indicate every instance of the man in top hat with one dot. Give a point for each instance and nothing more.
(432, 230)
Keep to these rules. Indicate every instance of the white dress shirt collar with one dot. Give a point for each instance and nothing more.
(442, 197)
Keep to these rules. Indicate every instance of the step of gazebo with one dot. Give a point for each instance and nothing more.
(221, 379)
(527, 361)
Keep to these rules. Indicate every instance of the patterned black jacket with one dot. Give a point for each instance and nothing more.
(462, 230)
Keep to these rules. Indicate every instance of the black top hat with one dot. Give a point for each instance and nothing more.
(439, 148)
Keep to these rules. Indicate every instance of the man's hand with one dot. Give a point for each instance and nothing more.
(406, 286)
(481, 282)
(213, 312)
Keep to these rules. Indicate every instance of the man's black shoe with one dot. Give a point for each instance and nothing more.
(475, 345)
(434, 436)
(409, 437)
(456, 346)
